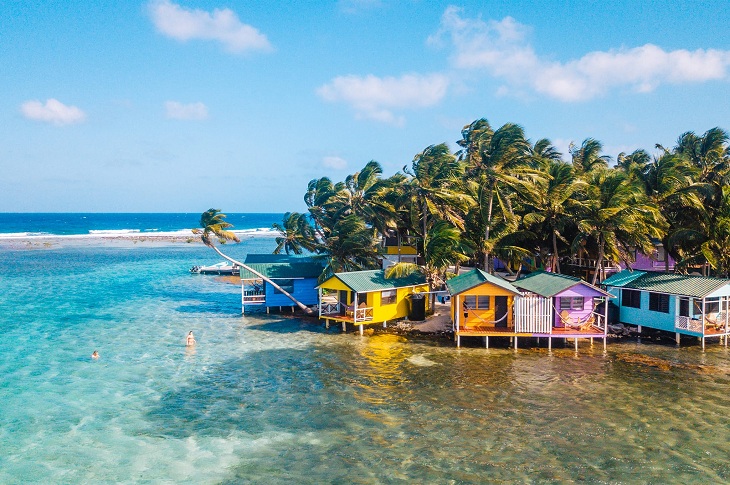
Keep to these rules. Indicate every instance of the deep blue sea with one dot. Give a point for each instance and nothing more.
(76, 224)
(275, 399)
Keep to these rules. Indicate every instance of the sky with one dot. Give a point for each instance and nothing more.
(184, 105)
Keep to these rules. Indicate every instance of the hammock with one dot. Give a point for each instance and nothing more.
(492, 323)
(578, 323)
(717, 322)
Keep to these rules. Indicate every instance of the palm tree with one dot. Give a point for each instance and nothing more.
(297, 235)
(498, 163)
(213, 223)
(444, 247)
(616, 216)
(586, 157)
(433, 192)
(551, 206)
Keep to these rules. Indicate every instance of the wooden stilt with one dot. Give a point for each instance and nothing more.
(327, 324)
(576, 343)
(515, 343)
(487, 339)
(458, 340)
(292, 309)
(550, 343)
(267, 309)
(385, 324)
(344, 327)
(591, 341)
(362, 331)
(676, 337)
(703, 343)
(604, 344)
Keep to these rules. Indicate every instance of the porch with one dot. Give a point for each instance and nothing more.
(338, 311)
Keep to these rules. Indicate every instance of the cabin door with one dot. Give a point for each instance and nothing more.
(500, 310)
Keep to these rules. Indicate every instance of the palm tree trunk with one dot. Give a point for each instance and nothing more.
(556, 260)
(599, 263)
(301, 305)
(487, 254)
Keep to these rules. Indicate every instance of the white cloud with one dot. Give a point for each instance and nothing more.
(192, 111)
(336, 163)
(221, 25)
(374, 97)
(502, 49)
(53, 111)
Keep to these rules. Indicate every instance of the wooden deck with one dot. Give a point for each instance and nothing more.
(492, 331)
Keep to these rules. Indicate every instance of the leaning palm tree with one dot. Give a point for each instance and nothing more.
(296, 235)
(213, 223)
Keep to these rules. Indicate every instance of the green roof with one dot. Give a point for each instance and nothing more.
(674, 284)
(375, 280)
(474, 278)
(550, 284)
(622, 277)
(276, 258)
(306, 269)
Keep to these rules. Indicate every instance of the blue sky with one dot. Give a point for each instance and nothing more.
(183, 105)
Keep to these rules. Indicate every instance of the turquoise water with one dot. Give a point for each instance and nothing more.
(272, 399)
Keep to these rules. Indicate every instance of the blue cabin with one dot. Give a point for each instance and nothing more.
(685, 305)
(295, 275)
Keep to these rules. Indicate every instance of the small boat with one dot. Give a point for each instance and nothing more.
(222, 268)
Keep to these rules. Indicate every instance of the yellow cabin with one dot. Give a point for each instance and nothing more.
(367, 297)
(481, 305)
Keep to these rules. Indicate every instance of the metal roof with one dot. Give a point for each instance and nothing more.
(375, 280)
(622, 277)
(474, 278)
(276, 258)
(673, 284)
(550, 284)
(306, 269)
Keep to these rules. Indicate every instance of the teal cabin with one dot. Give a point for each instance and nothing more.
(685, 305)
(295, 275)
(556, 305)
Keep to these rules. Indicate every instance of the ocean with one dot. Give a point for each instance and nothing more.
(276, 399)
(104, 224)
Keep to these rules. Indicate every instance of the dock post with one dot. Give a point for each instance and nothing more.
(604, 343)
(385, 324)
(486, 341)
(550, 343)
(344, 327)
(515, 342)
(591, 341)
(267, 310)
(676, 337)
(576, 343)
(362, 332)
(292, 309)
(703, 343)
(458, 341)
(327, 323)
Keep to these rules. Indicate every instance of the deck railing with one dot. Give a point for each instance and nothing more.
(363, 314)
(533, 314)
(331, 308)
(688, 323)
(254, 296)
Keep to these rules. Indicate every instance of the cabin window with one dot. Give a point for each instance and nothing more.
(387, 297)
(362, 298)
(661, 254)
(631, 298)
(474, 302)
(712, 305)
(286, 285)
(684, 307)
(659, 302)
(571, 302)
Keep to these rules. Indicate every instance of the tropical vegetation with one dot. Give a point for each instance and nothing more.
(500, 198)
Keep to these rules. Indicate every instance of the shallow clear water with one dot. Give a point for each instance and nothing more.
(272, 399)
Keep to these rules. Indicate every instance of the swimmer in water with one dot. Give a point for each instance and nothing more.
(95, 355)
(190, 340)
